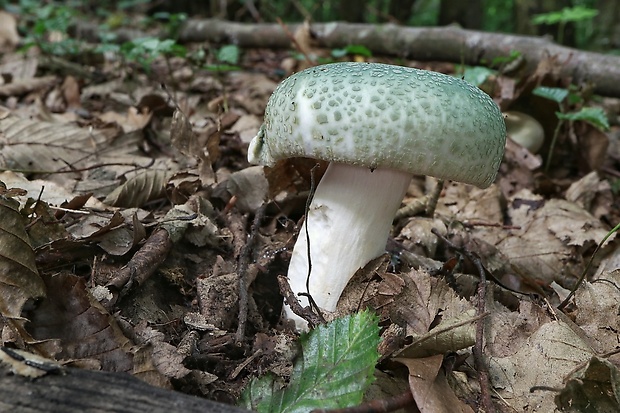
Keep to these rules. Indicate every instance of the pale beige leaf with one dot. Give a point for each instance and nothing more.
(452, 334)
(29, 145)
(250, 187)
(430, 388)
(541, 352)
(8, 31)
(596, 302)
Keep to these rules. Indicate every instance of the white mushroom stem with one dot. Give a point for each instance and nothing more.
(348, 221)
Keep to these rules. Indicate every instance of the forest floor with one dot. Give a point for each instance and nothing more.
(155, 247)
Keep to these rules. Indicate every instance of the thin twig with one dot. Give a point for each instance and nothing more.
(242, 270)
(291, 300)
(478, 352)
(291, 37)
(565, 302)
(433, 198)
(307, 213)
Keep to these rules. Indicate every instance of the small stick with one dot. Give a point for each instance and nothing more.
(483, 374)
(242, 270)
(304, 312)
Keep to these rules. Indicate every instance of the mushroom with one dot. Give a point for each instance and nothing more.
(524, 130)
(376, 125)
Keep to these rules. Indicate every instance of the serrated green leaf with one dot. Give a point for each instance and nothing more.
(594, 116)
(555, 94)
(258, 390)
(334, 369)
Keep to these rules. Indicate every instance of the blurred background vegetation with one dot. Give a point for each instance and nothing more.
(585, 24)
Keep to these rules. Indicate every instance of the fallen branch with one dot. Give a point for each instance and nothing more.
(450, 43)
(75, 390)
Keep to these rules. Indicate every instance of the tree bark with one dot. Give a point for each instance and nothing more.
(422, 43)
(80, 391)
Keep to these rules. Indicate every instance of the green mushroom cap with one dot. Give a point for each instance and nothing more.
(382, 116)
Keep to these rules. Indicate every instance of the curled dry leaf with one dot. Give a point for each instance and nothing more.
(435, 317)
(19, 278)
(140, 189)
(592, 194)
(430, 388)
(186, 141)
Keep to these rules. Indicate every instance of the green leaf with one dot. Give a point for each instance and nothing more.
(228, 54)
(594, 116)
(503, 60)
(477, 75)
(334, 369)
(353, 49)
(555, 94)
(221, 68)
(567, 14)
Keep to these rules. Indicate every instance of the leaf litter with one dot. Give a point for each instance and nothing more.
(127, 210)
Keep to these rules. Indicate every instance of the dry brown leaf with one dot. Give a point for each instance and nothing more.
(186, 141)
(253, 91)
(9, 37)
(417, 237)
(46, 191)
(140, 189)
(85, 329)
(528, 349)
(71, 93)
(470, 204)
(592, 194)
(21, 87)
(165, 357)
(595, 389)
(430, 388)
(131, 121)
(247, 126)
(19, 278)
(593, 144)
(34, 146)
(549, 244)
(597, 304)
(424, 303)
(451, 335)
(250, 186)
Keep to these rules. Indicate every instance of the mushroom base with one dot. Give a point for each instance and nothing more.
(348, 223)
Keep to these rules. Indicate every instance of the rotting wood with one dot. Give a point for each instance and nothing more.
(88, 391)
